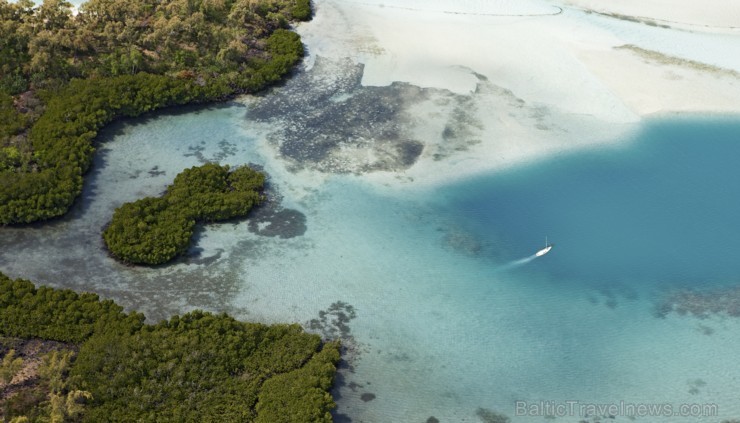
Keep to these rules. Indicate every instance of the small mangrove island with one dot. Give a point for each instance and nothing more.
(156, 230)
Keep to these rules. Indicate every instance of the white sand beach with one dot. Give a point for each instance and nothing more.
(557, 75)
(708, 14)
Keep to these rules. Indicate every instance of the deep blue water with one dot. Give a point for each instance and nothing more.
(663, 210)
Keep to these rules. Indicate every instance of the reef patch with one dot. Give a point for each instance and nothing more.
(700, 303)
(345, 127)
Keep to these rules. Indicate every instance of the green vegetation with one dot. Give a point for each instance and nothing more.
(119, 58)
(42, 394)
(292, 396)
(156, 230)
(62, 78)
(45, 46)
(193, 368)
(11, 121)
(10, 366)
(60, 315)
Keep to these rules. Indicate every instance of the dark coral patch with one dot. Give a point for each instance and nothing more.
(367, 396)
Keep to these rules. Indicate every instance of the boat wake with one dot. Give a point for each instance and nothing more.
(521, 262)
(516, 263)
(525, 260)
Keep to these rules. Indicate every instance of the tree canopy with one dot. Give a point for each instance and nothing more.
(198, 367)
(156, 230)
(64, 76)
(45, 46)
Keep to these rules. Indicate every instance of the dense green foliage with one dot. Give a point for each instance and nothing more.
(156, 230)
(60, 315)
(129, 57)
(62, 141)
(11, 121)
(47, 45)
(10, 366)
(292, 396)
(193, 368)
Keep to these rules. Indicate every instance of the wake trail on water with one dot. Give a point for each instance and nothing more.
(516, 263)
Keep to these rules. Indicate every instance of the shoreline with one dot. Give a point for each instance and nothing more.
(713, 14)
(586, 91)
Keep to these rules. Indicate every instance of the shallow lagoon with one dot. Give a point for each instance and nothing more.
(429, 288)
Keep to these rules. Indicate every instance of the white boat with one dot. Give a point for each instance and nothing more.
(545, 250)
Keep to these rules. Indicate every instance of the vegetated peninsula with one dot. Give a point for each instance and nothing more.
(156, 230)
(100, 364)
(63, 76)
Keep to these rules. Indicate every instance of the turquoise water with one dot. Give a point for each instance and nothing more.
(661, 210)
(444, 314)
(452, 316)
(629, 223)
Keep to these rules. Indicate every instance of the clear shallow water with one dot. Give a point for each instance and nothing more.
(438, 320)
(473, 324)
